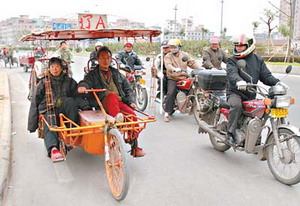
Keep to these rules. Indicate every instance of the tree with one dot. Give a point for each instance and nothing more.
(255, 25)
(224, 32)
(166, 32)
(269, 17)
(204, 32)
(181, 32)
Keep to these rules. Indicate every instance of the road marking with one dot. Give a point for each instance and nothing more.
(63, 172)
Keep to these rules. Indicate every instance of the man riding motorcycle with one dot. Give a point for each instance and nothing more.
(127, 58)
(93, 55)
(255, 70)
(214, 55)
(158, 61)
(176, 70)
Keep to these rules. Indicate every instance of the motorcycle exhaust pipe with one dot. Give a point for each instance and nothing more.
(207, 128)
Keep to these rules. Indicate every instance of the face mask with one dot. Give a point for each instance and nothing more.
(175, 51)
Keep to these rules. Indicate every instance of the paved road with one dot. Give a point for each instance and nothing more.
(180, 168)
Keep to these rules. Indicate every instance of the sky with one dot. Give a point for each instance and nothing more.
(238, 15)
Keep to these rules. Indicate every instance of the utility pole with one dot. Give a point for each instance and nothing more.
(175, 9)
(222, 2)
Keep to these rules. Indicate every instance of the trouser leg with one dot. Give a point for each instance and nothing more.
(171, 96)
(236, 108)
(51, 139)
(111, 104)
(70, 109)
(165, 85)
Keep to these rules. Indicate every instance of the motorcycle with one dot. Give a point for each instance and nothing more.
(281, 145)
(138, 83)
(199, 94)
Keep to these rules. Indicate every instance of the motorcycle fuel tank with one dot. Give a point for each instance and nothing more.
(254, 108)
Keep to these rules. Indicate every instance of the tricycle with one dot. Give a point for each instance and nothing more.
(97, 132)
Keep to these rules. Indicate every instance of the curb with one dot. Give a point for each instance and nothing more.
(5, 134)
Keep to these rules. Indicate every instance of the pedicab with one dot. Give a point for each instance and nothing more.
(97, 133)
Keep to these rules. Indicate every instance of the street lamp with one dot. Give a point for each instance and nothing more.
(222, 2)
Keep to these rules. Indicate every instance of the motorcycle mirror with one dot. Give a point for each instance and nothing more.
(184, 59)
(147, 59)
(241, 63)
(288, 69)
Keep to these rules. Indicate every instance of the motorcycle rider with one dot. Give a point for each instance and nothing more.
(214, 55)
(64, 92)
(165, 49)
(93, 55)
(118, 96)
(127, 58)
(65, 53)
(256, 69)
(176, 62)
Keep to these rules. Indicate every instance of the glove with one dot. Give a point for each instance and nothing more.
(176, 70)
(122, 65)
(283, 85)
(241, 85)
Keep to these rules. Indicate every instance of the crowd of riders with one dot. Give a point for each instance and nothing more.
(68, 96)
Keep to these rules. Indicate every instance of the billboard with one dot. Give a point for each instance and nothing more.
(92, 21)
(61, 26)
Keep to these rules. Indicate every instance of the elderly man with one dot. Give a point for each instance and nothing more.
(214, 55)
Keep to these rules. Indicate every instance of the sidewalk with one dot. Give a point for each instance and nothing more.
(5, 133)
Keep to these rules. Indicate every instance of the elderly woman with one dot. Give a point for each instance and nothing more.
(64, 90)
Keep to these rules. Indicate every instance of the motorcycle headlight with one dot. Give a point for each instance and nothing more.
(282, 101)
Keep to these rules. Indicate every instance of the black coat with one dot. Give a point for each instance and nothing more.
(93, 80)
(61, 87)
(128, 58)
(255, 67)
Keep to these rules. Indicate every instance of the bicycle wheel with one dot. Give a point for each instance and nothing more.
(286, 169)
(115, 164)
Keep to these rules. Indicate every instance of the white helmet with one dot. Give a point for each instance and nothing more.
(99, 44)
(243, 40)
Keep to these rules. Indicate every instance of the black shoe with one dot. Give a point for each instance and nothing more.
(230, 139)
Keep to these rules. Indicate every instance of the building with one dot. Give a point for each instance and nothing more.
(12, 29)
(186, 30)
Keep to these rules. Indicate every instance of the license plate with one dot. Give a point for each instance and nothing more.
(142, 81)
(279, 112)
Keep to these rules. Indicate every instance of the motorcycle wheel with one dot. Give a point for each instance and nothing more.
(196, 110)
(216, 143)
(286, 170)
(141, 98)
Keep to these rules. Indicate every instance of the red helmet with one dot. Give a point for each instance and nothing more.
(128, 44)
(243, 40)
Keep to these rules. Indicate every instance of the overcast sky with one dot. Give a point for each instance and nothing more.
(238, 15)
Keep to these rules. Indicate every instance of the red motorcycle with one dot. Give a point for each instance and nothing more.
(280, 147)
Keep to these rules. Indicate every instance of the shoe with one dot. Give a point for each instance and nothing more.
(230, 139)
(56, 155)
(138, 152)
(166, 119)
(119, 117)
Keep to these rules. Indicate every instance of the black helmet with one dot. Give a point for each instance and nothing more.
(164, 43)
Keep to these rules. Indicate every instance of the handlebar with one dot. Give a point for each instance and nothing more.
(94, 90)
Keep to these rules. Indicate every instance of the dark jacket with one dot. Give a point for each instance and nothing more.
(128, 58)
(93, 80)
(255, 67)
(214, 58)
(61, 87)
